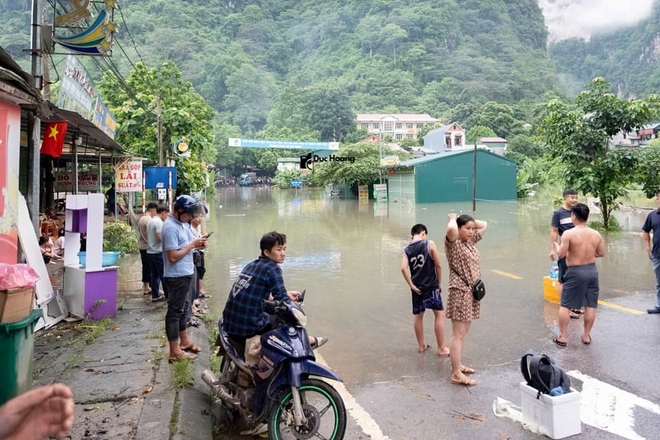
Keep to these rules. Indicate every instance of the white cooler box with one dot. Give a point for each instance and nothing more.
(559, 416)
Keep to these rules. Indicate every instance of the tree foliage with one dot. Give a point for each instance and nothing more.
(364, 170)
(184, 115)
(579, 138)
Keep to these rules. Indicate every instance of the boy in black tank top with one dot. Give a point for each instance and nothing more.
(422, 271)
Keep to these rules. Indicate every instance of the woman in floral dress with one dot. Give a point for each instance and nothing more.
(463, 232)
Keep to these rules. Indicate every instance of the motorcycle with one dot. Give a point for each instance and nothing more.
(280, 389)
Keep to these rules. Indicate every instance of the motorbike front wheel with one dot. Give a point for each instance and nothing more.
(322, 406)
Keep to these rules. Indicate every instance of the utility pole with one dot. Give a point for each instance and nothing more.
(159, 118)
(34, 123)
(474, 180)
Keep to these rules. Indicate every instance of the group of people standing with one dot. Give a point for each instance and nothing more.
(574, 245)
(168, 242)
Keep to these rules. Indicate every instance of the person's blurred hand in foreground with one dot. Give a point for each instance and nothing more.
(37, 414)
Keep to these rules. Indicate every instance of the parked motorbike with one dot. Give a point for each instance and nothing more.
(282, 389)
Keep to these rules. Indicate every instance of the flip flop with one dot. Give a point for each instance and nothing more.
(425, 348)
(191, 349)
(467, 370)
(585, 342)
(559, 343)
(573, 315)
(464, 381)
(444, 354)
(183, 356)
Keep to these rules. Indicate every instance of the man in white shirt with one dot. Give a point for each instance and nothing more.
(142, 245)
(155, 252)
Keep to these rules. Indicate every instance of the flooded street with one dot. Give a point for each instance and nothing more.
(348, 255)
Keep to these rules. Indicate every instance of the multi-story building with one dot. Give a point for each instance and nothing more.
(399, 126)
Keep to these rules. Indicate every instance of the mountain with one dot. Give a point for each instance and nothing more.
(628, 58)
(247, 56)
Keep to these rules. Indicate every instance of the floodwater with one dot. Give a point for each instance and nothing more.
(347, 255)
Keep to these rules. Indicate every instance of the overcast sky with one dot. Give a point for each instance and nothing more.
(582, 18)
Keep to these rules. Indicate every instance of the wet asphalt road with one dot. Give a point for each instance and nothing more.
(348, 258)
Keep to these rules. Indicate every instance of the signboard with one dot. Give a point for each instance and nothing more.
(76, 89)
(290, 145)
(104, 119)
(380, 192)
(128, 176)
(159, 177)
(392, 160)
(87, 182)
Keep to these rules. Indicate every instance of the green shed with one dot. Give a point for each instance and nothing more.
(448, 178)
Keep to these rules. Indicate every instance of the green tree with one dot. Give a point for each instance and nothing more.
(184, 115)
(648, 175)
(328, 111)
(477, 132)
(580, 137)
(364, 170)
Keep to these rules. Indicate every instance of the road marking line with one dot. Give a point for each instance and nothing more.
(609, 408)
(506, 274)
(618, 307)
(361, 417)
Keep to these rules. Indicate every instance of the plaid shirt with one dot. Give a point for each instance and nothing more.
(243, 314)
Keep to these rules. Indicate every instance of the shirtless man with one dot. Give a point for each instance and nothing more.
(581, 246)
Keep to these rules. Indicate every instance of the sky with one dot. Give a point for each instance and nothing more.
(583, 18)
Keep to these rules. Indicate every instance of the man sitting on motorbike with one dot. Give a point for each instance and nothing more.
(243, 316)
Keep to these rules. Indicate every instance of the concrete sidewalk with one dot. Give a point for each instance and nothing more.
(120, 377)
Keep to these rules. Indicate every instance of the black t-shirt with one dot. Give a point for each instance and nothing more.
(561, 219)
(422, 266)
(652, 223)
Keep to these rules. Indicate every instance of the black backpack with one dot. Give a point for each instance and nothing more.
(541, 373)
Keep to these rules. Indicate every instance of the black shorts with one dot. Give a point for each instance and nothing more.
(561, 264)
(427, 300)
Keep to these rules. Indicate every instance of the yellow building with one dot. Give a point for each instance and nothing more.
(399, 126)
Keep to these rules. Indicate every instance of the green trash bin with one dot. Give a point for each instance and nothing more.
(16, 356)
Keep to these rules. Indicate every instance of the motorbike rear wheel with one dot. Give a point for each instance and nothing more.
(323, 408)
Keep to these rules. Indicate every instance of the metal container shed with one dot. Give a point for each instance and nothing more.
(448, 178)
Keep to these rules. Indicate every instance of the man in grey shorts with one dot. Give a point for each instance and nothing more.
(581, 246)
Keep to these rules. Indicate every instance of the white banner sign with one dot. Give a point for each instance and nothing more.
(128, 176)
(87, 182)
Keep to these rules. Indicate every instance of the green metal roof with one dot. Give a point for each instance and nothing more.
(425, 159)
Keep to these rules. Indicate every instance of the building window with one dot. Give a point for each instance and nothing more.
(409, 125)
(398, 125)
(420, 125)
(409, 136)
(399, 137)
(388, 125)
(365, 126)
(376, 125)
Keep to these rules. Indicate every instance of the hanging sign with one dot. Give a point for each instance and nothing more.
(87, 182)
(128, 176)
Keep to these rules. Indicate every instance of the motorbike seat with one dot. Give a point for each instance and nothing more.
(238, 358)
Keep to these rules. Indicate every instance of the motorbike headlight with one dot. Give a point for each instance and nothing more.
(300, 316)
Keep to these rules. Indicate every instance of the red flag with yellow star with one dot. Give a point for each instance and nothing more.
(54, 138)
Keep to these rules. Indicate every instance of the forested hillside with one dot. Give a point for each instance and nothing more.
(628, 58)
(250, 59)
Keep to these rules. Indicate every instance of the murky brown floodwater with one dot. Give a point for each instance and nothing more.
(347, 255)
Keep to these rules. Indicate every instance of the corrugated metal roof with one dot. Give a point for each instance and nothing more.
(425, 159)
(492, 139)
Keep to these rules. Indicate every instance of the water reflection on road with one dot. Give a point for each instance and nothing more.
(347, 255)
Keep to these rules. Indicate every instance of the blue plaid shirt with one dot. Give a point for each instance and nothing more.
(243, 314)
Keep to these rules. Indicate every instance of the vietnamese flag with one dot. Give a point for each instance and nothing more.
(54, 138)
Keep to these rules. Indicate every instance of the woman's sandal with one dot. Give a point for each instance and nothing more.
(183, 356)
(191, 348)
(463, 381)
(467, 370)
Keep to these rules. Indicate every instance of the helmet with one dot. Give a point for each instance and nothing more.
(187, 204)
